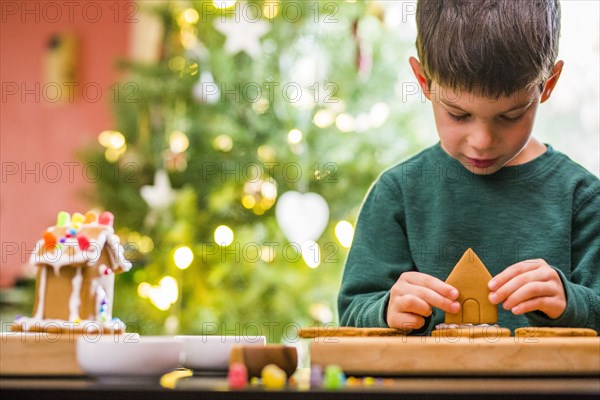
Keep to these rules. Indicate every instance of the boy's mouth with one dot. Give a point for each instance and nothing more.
(479, 163)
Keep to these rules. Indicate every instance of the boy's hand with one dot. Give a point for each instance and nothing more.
(412, 298)
(529, 286)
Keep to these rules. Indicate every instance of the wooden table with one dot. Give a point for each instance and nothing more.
(215, 387)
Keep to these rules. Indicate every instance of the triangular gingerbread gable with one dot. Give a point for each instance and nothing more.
(470, 277)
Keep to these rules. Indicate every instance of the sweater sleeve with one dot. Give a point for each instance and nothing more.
(582, 287)
(378, 256)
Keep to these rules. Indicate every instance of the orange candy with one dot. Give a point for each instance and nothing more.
(49, 240)
(90, 217)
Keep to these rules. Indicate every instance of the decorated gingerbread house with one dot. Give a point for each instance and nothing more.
(470, 277)
(76, 263)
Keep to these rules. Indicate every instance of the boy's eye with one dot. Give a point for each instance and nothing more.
(512, 119)
(458, 117)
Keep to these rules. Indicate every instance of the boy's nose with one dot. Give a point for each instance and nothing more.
(481, 138)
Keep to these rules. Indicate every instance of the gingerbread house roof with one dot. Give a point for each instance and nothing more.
(80, 241)
(470, 277)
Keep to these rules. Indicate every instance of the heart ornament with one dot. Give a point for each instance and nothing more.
(302, 216)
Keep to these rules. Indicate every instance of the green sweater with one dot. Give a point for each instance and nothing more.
(422, 214)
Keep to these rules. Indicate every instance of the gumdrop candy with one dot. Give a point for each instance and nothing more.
(84, 243)
(369, 381)
(273, 377)
(77, 218)
(90, 217)
(334, 377)
(63, 218)
(49, 240)
(106, 218)
(353, 381)
(316, 376)
(237, 376)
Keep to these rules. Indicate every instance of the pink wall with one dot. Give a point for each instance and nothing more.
(39, 137)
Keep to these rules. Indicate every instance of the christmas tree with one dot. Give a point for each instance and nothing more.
(240, 158)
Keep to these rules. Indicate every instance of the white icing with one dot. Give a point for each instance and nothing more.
(93, 290)
(60, 256)
(108, 283)
(75, 298)
(41, 294)
(100, 295)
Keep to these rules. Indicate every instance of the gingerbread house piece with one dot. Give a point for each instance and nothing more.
(470, 277)
(76, 263)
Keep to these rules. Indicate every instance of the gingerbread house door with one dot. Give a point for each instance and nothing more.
(471, 312)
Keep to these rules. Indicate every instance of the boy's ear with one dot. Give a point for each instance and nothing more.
(551, 81)
(421, 79)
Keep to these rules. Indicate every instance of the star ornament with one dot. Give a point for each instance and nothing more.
(160, 195)
(243, 31)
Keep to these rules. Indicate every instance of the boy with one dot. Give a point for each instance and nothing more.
(528, 211)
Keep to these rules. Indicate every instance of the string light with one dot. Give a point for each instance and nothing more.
(114, 142)
(294, 136)
(344, 232)
(269, 190)
(170, 291)
(248, 201)
(146, 245)
(261, 106)
(379, 114)
(223, 235)
(189, 16)
(271, 8)
(345, 122)
(267, 254)
(143, 290)
(177, 63)
(224, 3)
(266, 153)
(104, 138)
(178, 142)
(311, 253)
(223, 143)
(324, 118)
(183, 257)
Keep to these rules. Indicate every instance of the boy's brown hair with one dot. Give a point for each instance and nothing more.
(491, 47)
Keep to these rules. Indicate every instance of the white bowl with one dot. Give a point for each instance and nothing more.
(128, 355)
(204, 352)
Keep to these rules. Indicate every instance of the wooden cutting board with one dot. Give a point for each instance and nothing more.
(39, 353)
(403, 355)
(336, 331)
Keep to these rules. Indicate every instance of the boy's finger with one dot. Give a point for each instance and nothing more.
(435, 284)
(405, 321)
(511, 286)
(413, 304)
(529, 290)
(512, 271)
(435, 299)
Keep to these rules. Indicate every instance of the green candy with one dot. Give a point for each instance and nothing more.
(334, 377)
(63, 219)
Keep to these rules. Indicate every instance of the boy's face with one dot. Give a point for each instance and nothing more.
(484, 134)
(487, 134)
